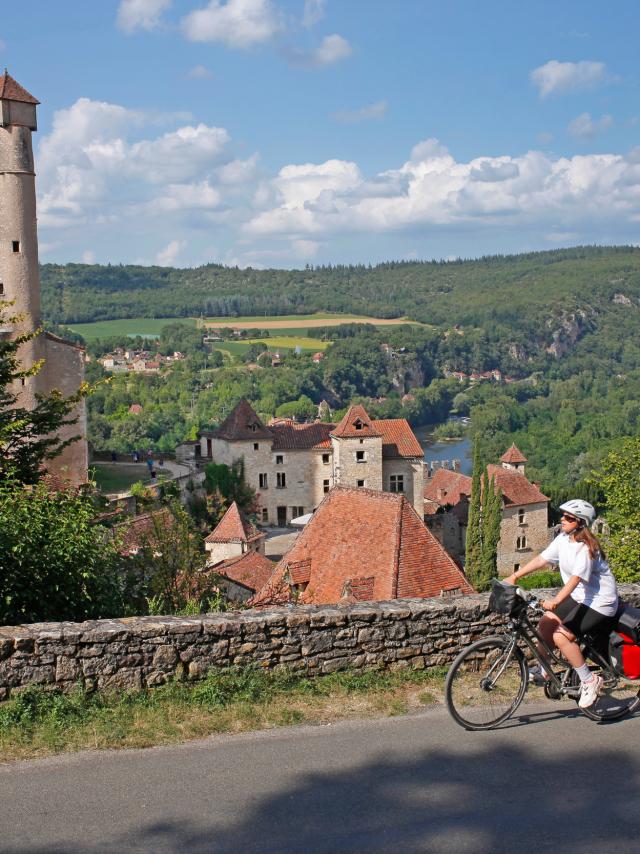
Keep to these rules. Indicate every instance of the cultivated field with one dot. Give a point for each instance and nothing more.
(301, 321)
(149, 326)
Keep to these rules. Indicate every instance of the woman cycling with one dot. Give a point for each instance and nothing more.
(589, 599)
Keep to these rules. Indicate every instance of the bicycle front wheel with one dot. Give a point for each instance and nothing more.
(485, 684)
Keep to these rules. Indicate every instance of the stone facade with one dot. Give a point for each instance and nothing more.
(147, 651)
(524, 533)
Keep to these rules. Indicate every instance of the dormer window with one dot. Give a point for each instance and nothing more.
(358, 424)
(253, 427)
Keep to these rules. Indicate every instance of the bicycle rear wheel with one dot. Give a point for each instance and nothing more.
(619, 698)
(485, 684)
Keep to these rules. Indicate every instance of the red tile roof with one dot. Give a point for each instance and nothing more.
(301, 437)
(356, 423)
(241, 423)
(233, 528)
(357, 535)
(11, 90)
(447, 487)
(398, 439)
(516, 489)
(252, 570)
(140, 531)
(513, 455)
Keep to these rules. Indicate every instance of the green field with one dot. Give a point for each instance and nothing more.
(149, 326)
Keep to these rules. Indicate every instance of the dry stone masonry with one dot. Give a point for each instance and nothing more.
(146, 651)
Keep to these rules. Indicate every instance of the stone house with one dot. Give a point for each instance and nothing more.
(363, 544)
(292, 466)
(239, 578)
(524, 530)
(233, 536)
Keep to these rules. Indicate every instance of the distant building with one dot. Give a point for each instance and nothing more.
(239, 578)
(292, 466)
(233, 535)
(524, 530)
(363, 545)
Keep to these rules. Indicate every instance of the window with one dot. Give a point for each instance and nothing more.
(516, 567)
(521, 543)
(325, 459)
(396, 483)
(279, 459)
(360, 483)
(1, 289)
(265, 514)
(281, 480)
(521, 516)
(360, 458)
(253, 427)
(325, 486)
(256, 446)
(15, 244)
(361, 441)
(358, 425)
(262, 479)
(297, 511)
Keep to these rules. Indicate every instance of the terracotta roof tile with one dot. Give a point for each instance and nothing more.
(241, 423)
(11, 90)
(357, 535)
(233, 528)
(252, 570)
(301, 437)
(513, 455)
(516, 489)
(398, 439)
(447, 487)
(137, 532)
(356, 423)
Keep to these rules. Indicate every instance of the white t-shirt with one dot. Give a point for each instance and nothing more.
(597, 587)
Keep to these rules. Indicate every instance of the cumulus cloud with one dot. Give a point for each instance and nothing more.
(141, 14)
(559, 78)
(331, 49)
(313, 12)
(236, 23)
(91, 167)
(167, 256)
(200, 72)
(378, 110)
(584, 127)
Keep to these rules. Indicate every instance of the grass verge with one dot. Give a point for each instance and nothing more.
(39, 723)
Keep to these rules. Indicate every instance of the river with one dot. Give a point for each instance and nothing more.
(456, 449)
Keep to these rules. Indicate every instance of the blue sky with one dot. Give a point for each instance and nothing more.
(285, 132)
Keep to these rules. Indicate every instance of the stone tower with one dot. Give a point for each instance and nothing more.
(63, 366)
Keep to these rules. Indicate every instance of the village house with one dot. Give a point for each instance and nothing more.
(235, 554)
(292, 466)
(363, 545)
(524, 530)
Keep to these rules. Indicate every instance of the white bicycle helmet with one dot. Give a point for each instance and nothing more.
(580, 509)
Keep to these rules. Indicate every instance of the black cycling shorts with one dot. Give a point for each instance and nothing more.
(581, 619)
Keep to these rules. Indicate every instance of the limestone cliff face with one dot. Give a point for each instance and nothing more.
(569, 329)
(408, 375)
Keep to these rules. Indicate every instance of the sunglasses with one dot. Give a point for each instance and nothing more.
(569, 518)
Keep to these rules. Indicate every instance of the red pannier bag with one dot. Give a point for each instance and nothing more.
(624, 655)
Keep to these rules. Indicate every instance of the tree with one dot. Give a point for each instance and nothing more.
(483, 529)
(229, 482)
(473, 550)
(56, 563)
(620, 480)
(28, 437)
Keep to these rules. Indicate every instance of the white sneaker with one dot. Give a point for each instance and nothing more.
(590, 691)
(537, 675)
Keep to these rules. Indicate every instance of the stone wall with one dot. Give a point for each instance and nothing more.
(146, 651)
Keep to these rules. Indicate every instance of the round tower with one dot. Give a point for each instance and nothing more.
(19, 275)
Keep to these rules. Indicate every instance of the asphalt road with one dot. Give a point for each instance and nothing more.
(550, 780)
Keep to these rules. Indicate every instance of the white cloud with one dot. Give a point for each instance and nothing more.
(167, 256)
(378, 110)
(236, 23)
(88, 256)
(141, 14)
(584, 127)
(558, 78)
(331, 49)
(313, 12)
(200, 72)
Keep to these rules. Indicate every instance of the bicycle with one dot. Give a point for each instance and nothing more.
(488, 680)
